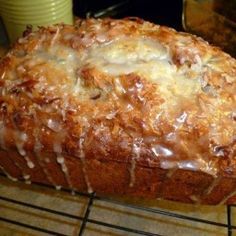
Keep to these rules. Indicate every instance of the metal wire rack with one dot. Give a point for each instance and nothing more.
(85, 219)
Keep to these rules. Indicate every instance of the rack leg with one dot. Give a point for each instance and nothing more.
(90, 203)
(229, 220)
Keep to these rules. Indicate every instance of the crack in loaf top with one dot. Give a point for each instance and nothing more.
(126, 88)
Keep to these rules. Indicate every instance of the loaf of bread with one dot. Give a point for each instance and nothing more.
(120, 107)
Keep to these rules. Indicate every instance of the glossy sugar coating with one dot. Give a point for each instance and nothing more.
(141, 104)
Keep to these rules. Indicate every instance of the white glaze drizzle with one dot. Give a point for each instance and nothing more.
(214, 183)
(193, 165)
(166, 155)
(20, 139)
(7, 174)
(55, 37)
(58, 187)
(25, 176)
(37, 149)
(54, 125)
(180, 120)
(82, 158)
(60, 160)
(161, 151)
(195, 198)
(225, 199)
(132, 172)
(30, 164)
(135, 156)
(187, 164)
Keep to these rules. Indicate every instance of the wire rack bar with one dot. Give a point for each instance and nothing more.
(86, 216)
(40, 208)
(230, 227)
(157, 211)
(92, 197)
(84, 219)
(30, 227)
(167, 213)
(130, 230)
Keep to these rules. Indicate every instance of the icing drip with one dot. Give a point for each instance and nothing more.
(135, 157)
(54, 38)
(30, 164)
(211, 187)
(37, 149)
(131, 75)
(214, 183)
(58, 187)
(193, 165)
(60, 160)
(7, 174)
(225, 199)
(82, 158)
(26, 177)
(54, 125)
(195, 198)
(20, 139)
(180, 120)
(161, 151)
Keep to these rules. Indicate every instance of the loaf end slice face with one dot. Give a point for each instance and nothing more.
(121, 107)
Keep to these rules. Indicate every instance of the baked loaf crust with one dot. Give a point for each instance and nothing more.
(120, 107)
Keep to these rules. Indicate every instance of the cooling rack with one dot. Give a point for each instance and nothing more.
(85, 219)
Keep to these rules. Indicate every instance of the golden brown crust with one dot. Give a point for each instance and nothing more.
(125, 93)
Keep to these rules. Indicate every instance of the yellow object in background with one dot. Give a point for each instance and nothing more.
(17, 14)
(214, 20)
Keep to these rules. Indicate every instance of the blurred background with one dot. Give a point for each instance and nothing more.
(166, 12)
(214, 20)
